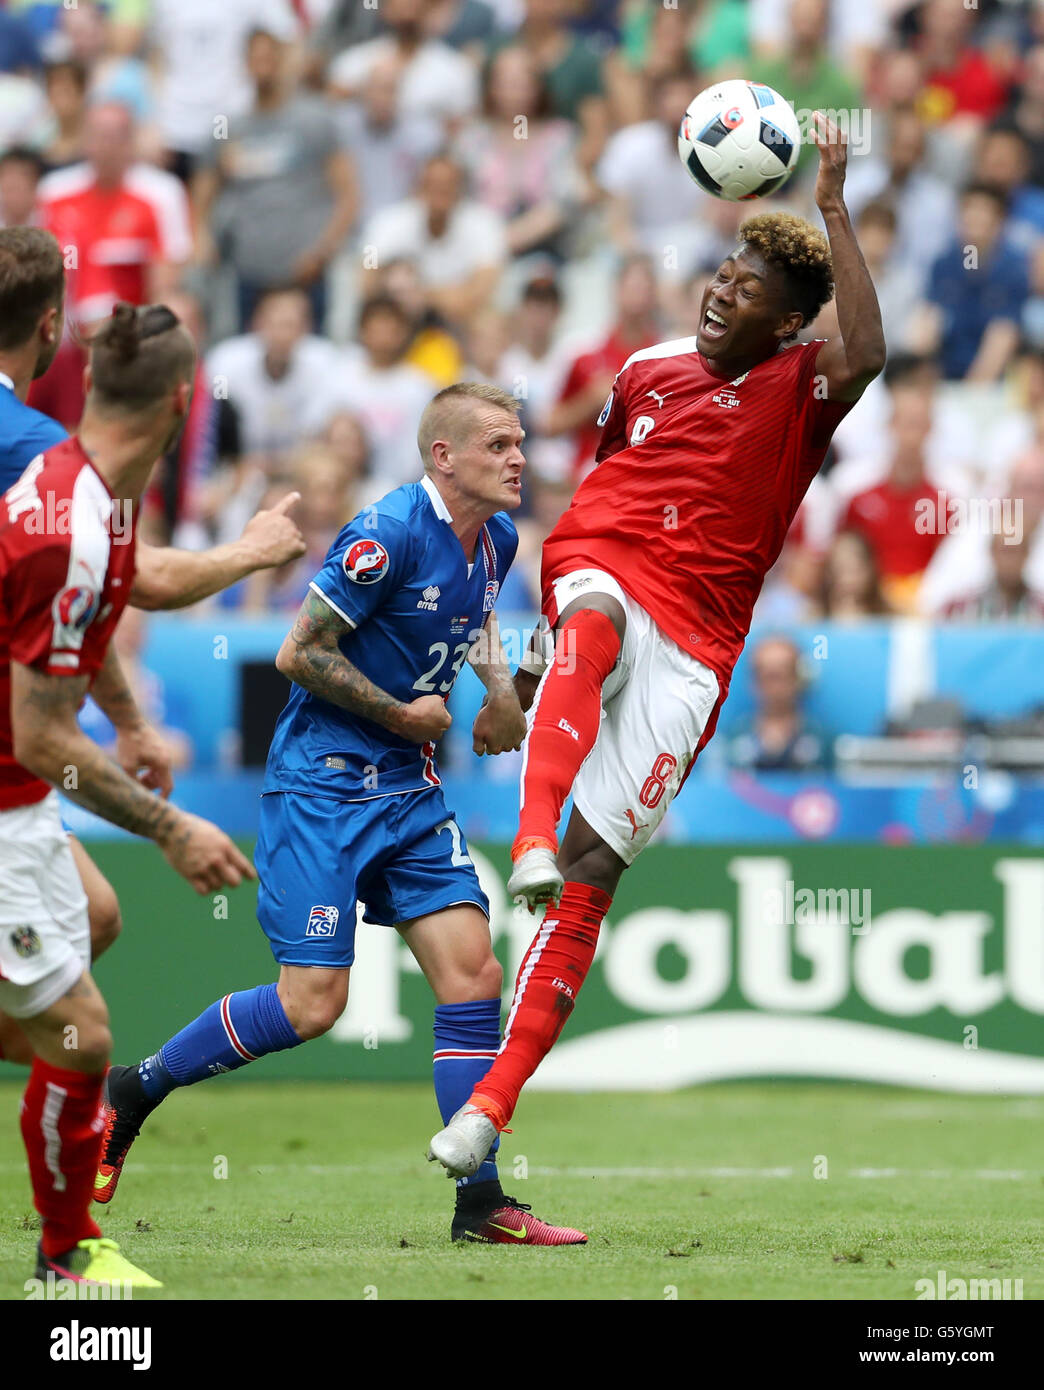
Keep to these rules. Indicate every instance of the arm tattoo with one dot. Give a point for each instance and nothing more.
(113, 694)
(43, 712)
(318, 664)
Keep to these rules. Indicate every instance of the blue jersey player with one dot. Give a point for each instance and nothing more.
(352, 807)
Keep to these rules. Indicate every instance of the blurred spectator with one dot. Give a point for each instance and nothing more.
(904, 518)
(385, 394)
(1003, 163)
(20, 171)
(1025, 112)
(345, 438)
(124, 229)
(850, 586)
(805, 71)
(432, 349)
(198, 52)
(960, 79)
(975, 293)
(590, 376)
(326, 504)
(387, 147)
(520, 160)
(280, 378)
(661, 41)
(532, 368)
(897, 283)
(63, 137)
(18, 48)
(649, 205)
(435, 83)
(851, 31)
(484, 345)
(925, 206)
(545, 500)
(1006, 594)
(287, 196)
(1032, 319)
(148, 691)
(571, 65)
(457, 244)
(778, 737)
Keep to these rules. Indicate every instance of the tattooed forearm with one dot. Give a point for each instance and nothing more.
(49, 742)
(113, 695)
(311, 657)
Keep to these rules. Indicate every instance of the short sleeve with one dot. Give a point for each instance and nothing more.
(49, 618)
(613, 421)
(367, 563)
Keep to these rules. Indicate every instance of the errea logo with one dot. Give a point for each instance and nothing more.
(430, 598)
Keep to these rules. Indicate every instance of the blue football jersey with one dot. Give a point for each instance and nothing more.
(24, 433)
(399, 576)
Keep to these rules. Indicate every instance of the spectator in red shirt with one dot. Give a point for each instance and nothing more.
(122, 240)
(960, 80)
(904, 518)
(590, 378)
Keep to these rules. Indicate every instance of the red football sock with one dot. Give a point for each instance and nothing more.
(566, 722)
(62, 1126)
(549, 979)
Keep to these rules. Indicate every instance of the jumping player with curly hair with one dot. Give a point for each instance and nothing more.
(649, 581)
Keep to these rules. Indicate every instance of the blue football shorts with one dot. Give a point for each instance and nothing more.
(401, 856)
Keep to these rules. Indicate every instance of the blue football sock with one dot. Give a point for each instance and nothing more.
(467, 1037)
(236, 1030)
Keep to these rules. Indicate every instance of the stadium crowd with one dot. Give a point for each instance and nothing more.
(353, 204)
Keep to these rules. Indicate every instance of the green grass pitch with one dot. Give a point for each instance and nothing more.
(704, 1194)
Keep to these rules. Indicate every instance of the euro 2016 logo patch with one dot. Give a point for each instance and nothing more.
(322, 921)
(26, 941)
(365, 562)
(74, 608)
(606, 409)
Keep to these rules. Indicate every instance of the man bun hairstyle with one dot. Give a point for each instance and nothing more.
(799, 252)
(138, 356)
(32, 280)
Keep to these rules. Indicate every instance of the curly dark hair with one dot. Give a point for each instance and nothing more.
(794, 247)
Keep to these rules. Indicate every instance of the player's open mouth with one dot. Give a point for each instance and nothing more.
(714, 326)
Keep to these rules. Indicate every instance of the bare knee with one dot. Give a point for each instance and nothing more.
(469, 981)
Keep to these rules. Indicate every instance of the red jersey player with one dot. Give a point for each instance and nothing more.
(650, 579)
(67, 546)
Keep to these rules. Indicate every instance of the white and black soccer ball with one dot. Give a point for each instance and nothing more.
(739, 140)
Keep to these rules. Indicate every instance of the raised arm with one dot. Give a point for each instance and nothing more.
(311, 657)
(850, 361)
(49, 742)
(170, 578)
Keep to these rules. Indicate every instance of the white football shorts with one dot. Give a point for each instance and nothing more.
(656, 705)
(45, 937)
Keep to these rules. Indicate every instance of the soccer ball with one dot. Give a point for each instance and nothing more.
(739, 140)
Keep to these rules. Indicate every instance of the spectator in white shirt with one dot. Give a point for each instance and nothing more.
(280, 379)
(435, 82)
(385, 394)
(458, 245)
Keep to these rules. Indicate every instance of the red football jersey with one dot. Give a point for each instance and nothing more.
(115, 235)
(887, 518)
(698, 479)
(66, 569)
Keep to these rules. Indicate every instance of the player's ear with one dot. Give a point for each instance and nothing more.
(51, 323)
(88, 380)
(790, 324)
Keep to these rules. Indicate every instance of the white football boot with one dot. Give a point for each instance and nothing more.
(462, 1146)
(535, 879)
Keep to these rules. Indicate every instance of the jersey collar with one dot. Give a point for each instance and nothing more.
(437, 500)
(5, 380)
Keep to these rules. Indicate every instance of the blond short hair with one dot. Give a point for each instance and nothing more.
(443, 417)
